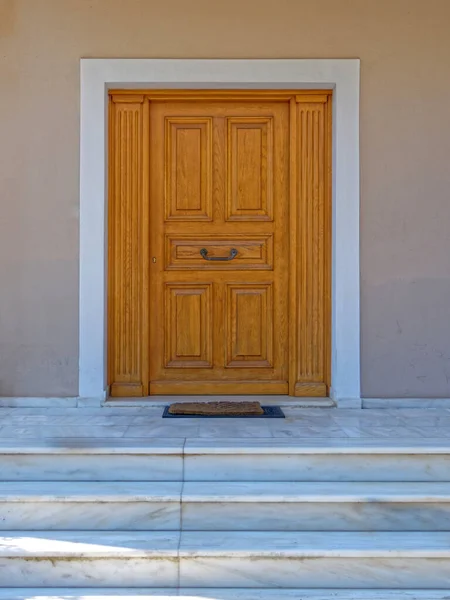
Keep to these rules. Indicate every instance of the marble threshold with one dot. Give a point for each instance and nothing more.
(195, 446)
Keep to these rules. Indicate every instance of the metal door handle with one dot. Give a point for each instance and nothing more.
(233, 254)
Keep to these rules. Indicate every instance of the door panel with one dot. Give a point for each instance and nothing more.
(250, 169)
(188, 326)
(187, 167)
(253, 252)
(250, 326)
(219, 246)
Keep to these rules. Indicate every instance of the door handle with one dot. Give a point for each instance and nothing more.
(233, 254)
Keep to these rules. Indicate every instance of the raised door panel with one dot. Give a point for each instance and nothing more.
(188, 326)
(254, 252)
(188, 169)
(249, 313)
(250, 169)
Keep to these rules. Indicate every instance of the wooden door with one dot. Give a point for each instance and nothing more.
(219, 242)
(219, 191)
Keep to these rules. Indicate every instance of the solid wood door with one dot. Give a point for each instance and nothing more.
(219, 247)
(191, 171)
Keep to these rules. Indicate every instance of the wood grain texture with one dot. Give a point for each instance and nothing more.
(254, 251)
(219, 170)
(219, 387)
(293, 231)
(188, 325)
(250, 169)
(236, 94)
(310, 390)
(313, 247)
(250, 329)
(125, 285)
(187, 166)
(230, 338)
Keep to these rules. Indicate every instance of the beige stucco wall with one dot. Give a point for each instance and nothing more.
(404, 46)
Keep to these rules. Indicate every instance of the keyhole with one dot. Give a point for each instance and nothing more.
(154, 259)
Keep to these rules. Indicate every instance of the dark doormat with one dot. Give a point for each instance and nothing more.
(222, 410)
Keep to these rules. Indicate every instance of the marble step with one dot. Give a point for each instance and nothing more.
(92, 459)
(395, 560)
(217, 594)
(223, 506)
(315, 560)
(314, 506)
(91, 558)
(91, 505)
(268, 459)
(317, 459)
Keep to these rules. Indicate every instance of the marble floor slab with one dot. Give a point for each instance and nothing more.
(121, 422)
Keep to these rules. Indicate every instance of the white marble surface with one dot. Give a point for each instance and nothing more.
(67, 593)
(315, 559)
(92, 446)
(83, 544)
(318, 506)
(309, 594)
(233, 559)
(89, 491)
(319, 467)
(262, 516)
(230, 505)
(91, 467)
(311, 492)
(316, 445)
(397, 573)
(90, 506)
(316, 544)
(218, 594)
(414, 403)
(89, 558)
(80, 572)
(64, 432)
(310, 424)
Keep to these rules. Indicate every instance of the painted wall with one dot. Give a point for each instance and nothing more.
(404, 46)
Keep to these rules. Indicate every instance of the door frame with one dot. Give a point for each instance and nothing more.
(100, 75)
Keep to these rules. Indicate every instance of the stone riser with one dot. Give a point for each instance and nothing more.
(91, 467)
(226, 559)
(92, 516)
(317, 467)
(225, 506)
(135, 516)
(225, 467)
(316, 517)
(225, 571)
(315, 572)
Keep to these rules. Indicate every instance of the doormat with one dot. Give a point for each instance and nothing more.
(217, 410)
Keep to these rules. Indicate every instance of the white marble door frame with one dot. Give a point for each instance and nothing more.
(98, 75)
